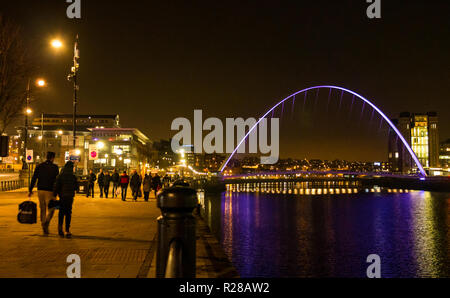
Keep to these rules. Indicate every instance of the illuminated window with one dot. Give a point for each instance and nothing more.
(124, 148)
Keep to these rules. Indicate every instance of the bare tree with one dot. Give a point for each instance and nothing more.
(15, 68)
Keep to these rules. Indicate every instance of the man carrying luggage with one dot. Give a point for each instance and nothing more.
(45, 174)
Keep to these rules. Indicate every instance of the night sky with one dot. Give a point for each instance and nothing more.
(153, 61)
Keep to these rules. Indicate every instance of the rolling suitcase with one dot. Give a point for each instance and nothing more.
(27, 213)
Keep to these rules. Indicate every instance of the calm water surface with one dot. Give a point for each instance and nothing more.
(281, 235)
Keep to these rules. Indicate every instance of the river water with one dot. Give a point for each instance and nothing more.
(271, 234)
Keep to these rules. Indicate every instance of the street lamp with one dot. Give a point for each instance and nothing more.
(56, 43)
(41, 83)
(28, 111)
(100, 145)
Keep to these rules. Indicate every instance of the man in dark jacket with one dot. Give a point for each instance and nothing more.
(135, 184)
(124, 180)
(65, 186)
(101, 182)
(45, 174)
(107, 182)
(156, 183)
(115, 181)
(91, 183)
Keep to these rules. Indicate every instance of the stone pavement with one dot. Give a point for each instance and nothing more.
(113, 239)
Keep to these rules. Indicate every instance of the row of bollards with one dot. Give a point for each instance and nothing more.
(176, 252)
(11, 185)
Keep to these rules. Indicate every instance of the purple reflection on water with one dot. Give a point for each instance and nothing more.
(272, 235)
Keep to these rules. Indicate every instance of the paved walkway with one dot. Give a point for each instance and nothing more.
(111, 237)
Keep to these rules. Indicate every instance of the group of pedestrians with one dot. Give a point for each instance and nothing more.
(136, 182)
(51, 183)
(104, 181)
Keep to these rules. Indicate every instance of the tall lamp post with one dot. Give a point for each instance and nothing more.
(28, 111)
(73, 76)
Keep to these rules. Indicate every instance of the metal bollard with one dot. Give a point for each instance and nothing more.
(176, 231)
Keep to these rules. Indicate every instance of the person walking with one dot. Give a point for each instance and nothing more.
(115, 181)
(135, 185)
(65, 187)
(124, 180)
(147, 186)
(91, 182)
(166, 180)
(107, 181)
(101, 182)
(156, 183)
(45, 174)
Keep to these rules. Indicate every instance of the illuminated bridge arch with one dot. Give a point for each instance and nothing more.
(394, 128)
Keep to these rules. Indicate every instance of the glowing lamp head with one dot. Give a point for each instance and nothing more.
(29, 111)
(41, 83)
(100, 145)
(56, 43)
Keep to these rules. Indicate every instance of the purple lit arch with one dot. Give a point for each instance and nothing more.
(411, 152)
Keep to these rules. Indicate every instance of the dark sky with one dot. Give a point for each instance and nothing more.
(153, 61)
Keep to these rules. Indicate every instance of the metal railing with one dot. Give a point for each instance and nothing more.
(174, 260)
(11, 184)
(176, 255)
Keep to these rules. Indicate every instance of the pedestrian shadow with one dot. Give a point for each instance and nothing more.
(130, 201)
(90, 237)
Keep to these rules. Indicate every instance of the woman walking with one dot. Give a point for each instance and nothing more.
(65, 187)
(156, 183)
(135, 184)
(147, 186)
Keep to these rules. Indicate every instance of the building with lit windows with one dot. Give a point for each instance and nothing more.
(421, 132)
(208, 162)
(119, 148)
(164, 157)
(444, 155)
(54, 132)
